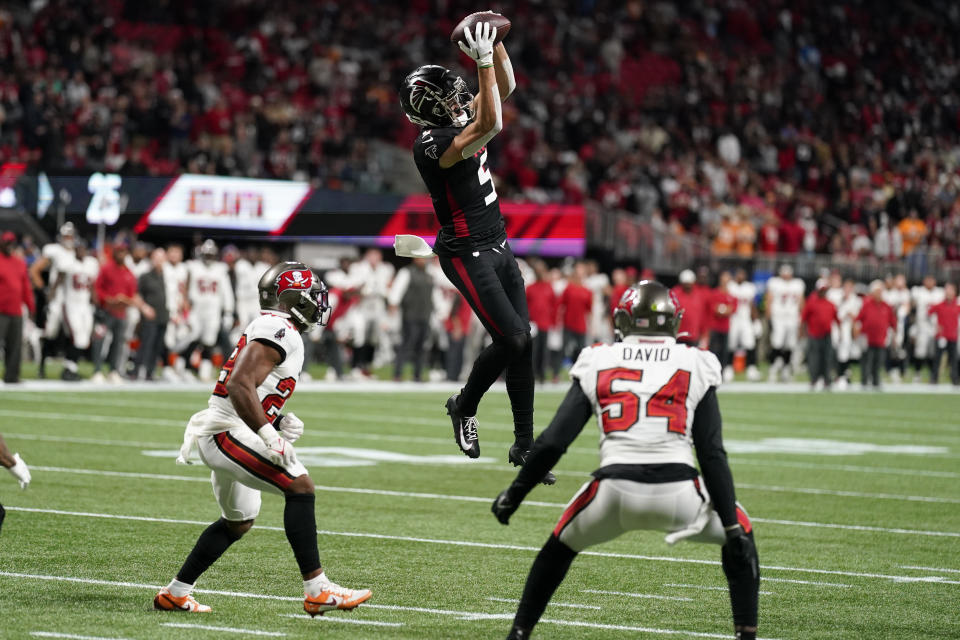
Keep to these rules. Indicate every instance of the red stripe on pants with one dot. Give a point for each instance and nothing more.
(578, 505)
(459, 220)
(262, 469)
(472, 291)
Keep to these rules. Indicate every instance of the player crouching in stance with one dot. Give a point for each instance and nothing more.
(247, 442)
(653, 398)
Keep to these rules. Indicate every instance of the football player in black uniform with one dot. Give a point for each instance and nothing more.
(451, 155)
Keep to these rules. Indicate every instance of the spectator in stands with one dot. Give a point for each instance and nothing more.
(16, 293)
(575, 304)
(412, 293)
(913, 232)
(542, 302)
(116, 291)
(153, 291)
(947, 314)
(721, 305)
(691, 300)
(875, 320)
(746, 235)
(818, 318)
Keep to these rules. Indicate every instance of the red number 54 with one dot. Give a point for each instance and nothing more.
(621, 409)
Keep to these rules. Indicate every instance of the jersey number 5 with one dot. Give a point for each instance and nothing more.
(621, 408)
(484, 175)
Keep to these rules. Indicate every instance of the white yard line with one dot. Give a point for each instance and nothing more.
(464, 615)
(86, 417)
(810, 582)
(706, 588)
(70, 636)
(92, 441)
(857, 527)
(210, 627)
(941, 569)
(569, 605)
(372, 623)
(846, 467)
(490, 545)
(647, 596)
(437, 496)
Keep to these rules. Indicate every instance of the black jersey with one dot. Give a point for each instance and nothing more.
(464, 197)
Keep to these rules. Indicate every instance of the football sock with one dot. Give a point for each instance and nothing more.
(546, 574)
(300, 525)
(751, 357)
(314, 586)
(486, 369)
(520, 390)
(179, 589)
(211, 544)
(743, 579)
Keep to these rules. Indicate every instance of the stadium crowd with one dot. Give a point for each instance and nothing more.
(785, 126)
(140, 312)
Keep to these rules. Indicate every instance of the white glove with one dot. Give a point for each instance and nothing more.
(279, 451)
(290, 426)
(20, 471)
(479, 46)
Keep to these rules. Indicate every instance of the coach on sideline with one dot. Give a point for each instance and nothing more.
(818, 317)
(15, 291)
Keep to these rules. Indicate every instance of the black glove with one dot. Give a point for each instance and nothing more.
(504, 506)
(741, 548)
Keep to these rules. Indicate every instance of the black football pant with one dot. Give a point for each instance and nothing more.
(819, 358)
(871, 365)
(11, 339)
(492, 285)
(414, 332)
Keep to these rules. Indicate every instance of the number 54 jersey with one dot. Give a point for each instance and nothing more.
(644, 393)
(277, 332)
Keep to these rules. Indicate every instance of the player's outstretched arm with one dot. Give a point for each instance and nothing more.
(571, 416)
(489, 117)
(506, 83)
(708, 442)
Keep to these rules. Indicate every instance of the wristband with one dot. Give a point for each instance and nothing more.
(276, 421)
(267, 433)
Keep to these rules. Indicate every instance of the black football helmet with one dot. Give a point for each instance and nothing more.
(291, 287)
(432, 96)
(647, 308)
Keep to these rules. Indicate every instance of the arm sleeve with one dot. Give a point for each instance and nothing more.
(571, 416)
(708, 440)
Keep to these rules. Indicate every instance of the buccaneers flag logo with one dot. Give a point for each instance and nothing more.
(294, 279)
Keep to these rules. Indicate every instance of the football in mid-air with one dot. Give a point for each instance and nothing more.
(501, 22)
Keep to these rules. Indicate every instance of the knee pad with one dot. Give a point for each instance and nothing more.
(517, 344)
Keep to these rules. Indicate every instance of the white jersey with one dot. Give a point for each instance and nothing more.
(209, 290)
(59, 257)
(644, 393)
(785, 298)
(923, 299)
(276, 330)
(78, 279)
(746, 293)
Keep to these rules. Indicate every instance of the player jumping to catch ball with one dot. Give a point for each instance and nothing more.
(654, 398)
(451, 155)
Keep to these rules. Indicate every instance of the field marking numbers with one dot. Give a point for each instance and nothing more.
(569, 605)
(210, 627)
(649, 596)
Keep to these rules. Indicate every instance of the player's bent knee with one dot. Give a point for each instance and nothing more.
(301, 484)
(517, 343)
(238, 528)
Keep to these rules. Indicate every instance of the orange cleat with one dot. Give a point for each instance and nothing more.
(334, 596)
(165, 601)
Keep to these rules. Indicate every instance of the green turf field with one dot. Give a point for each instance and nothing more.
(860, 545)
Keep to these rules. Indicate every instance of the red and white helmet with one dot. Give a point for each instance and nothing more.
(291, 287)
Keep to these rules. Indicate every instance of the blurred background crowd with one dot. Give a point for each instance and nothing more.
(142, 312)
(783, 126)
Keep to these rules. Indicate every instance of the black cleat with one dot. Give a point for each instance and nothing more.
(464, 429)
(70, 376)
(518, 457)
(518, 634)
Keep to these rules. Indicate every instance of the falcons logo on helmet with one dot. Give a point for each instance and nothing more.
(294, 280)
